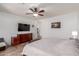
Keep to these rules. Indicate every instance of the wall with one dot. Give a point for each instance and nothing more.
(78, 24)
(68, 24)
(9, 25)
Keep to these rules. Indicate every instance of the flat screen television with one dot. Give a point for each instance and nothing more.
(23, 27)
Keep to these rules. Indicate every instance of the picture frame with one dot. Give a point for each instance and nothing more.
(56, 25)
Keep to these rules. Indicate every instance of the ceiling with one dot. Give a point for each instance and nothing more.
(51, 9)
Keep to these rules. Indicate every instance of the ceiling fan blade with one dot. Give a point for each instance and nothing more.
(31, 9)
(41, 14)
(35, 9)
(28, 13)
(41, 11)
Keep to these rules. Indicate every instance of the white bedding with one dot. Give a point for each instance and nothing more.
(51, 47)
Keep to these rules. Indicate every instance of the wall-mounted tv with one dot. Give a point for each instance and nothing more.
(23, 27)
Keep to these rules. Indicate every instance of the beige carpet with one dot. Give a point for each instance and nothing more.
(13, 50)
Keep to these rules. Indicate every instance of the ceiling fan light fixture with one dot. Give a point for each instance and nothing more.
(35, 14)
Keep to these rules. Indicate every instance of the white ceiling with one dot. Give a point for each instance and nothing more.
(51, 9)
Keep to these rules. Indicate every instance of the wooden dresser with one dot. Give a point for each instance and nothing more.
(21, 38)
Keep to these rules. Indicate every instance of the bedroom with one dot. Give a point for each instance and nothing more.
(57, 28)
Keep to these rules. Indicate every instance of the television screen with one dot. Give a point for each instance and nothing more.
(23, 27)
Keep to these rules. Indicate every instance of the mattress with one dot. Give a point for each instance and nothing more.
(51, 47)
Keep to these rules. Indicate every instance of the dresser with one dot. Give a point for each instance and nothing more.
(21, 38)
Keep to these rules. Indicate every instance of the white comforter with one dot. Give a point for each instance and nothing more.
(48, 47)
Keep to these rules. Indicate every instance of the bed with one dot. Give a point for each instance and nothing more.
(51, 47)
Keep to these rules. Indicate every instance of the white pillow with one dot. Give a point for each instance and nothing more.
(2, 44)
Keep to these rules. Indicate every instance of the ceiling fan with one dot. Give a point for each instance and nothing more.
(36, 12)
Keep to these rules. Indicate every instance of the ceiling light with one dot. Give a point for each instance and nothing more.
(35, 15)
